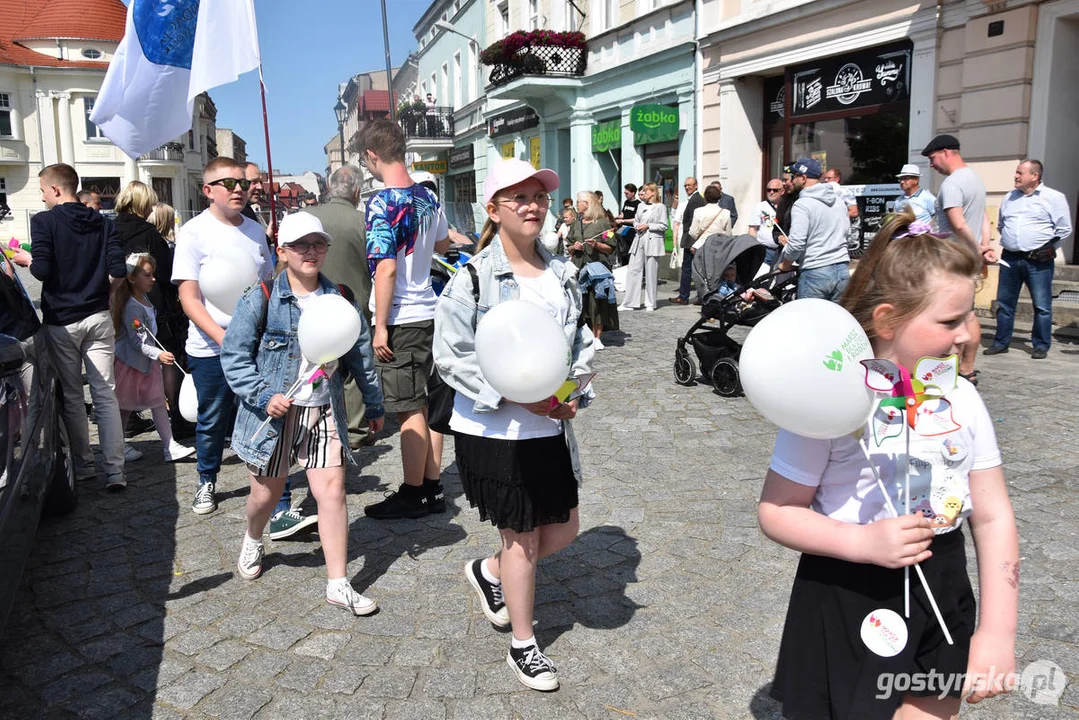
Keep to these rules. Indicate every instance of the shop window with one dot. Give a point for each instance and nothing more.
(866, 149)
(93, 132)
(5, 115)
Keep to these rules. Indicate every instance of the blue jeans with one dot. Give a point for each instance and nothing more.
(826, 283)
(216, 402)
(1038, 277)
(685, 283)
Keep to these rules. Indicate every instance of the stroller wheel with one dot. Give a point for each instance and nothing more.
(685, 372)
(725, 377)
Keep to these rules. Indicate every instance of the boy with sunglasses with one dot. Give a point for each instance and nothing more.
(219, 226)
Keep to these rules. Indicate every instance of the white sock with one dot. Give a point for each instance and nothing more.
(487, 574)
(521, 644)
(250, 539)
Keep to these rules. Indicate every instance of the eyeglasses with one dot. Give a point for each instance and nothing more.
(300, 247)
(231, 183)
(778, 189)
(523, 200)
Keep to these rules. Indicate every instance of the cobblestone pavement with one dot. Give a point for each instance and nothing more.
(669, 605)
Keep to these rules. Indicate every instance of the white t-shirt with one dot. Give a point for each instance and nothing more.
(404, 224)
(198, 239)
(511, 421)
(313, 394)
(765, 220)
(939, 467)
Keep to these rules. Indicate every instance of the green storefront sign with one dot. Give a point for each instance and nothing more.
(653, 123)
(606, 136)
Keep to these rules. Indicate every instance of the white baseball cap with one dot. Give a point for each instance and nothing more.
(508, 173)
(910, 170)
(422, 176)
(298, 225)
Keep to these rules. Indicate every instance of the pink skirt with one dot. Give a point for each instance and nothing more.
(136, 391)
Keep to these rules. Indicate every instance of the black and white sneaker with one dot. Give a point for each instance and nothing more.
(533, 668)
(491, 601)
(407, 502)
(436, 499)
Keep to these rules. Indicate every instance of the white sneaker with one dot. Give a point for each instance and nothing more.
(344, 595)
(597, 344)
(131, 454)
(175, 451)
(627, 308)
(250, 563)
(649, 309)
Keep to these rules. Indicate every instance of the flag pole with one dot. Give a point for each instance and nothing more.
(389, 74)
(269, 161)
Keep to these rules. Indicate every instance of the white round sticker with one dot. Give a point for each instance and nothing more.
(884, 632)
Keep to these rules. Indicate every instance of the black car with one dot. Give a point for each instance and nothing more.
(37, 472)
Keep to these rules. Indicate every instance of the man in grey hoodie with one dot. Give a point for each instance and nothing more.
(818, 234)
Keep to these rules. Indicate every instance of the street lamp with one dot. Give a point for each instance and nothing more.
(341, 110)
(451, 28)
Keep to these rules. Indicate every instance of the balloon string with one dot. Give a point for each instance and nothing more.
(917, 566)
(158, 343)
(288, 395)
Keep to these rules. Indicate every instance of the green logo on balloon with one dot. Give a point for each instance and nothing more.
(834, 361)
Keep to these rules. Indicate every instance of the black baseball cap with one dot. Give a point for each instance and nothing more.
(941, 142)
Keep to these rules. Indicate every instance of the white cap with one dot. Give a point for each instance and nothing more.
(910, 170)
(297, 225)
(422, 176)
(507, 173)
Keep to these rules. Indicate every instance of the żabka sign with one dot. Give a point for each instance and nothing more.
(653, 123)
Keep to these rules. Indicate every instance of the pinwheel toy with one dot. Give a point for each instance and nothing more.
(310, 375)
(139, 326)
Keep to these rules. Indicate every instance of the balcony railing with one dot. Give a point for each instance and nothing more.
(540, 52)
(170, 152)
(420, 121)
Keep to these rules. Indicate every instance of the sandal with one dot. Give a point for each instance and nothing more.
(971, 377)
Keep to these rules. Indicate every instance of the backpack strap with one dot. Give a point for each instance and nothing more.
(346, 292)
(265, 308)
(475, 283)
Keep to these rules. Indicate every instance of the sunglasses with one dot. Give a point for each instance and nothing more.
(231, 183)
(300, 247)
(775, 189)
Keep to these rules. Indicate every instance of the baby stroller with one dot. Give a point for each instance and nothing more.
(444, 267)
(716, 351)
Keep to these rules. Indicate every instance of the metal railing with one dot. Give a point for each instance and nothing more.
(540, 60)
(171, 152)
(427, 122)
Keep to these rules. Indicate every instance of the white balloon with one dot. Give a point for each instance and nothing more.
(189, 399)
(226, 275)
(329, 327)
(800, 367)
(522, 351)
(550, 241)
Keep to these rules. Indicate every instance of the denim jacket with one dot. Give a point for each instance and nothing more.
(258, 368)
(456, 317)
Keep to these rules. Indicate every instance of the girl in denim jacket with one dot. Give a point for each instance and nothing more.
(261, 358)
(518, 462)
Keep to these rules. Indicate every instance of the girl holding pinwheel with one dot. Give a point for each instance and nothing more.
(590, 242)
(292, 411)
(139, 356)
(868, 508)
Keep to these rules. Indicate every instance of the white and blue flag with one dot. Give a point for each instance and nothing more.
(172, 50)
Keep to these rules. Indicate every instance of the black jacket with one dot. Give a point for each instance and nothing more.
(727, 202)
(695, 201)
(138, 236)
(74, 251)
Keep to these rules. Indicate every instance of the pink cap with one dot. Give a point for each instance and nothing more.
(508, 173)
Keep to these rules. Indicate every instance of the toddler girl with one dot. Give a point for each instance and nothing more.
(138, 361)
(845, 632)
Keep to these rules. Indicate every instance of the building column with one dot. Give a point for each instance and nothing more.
(67, 140)
(687, 147)
(923, 76)
(131, 172)
(632, 160)
(46, 118)
(582, 169)
(16, 122)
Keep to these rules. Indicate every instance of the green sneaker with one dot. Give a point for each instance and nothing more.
(287, 523)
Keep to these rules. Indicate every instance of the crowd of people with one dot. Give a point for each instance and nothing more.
(121, 300)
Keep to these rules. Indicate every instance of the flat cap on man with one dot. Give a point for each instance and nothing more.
(941, 142)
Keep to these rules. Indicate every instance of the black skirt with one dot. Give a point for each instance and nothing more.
(825, 670)
(517, 485)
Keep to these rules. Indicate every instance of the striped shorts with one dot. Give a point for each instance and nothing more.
(308, 437)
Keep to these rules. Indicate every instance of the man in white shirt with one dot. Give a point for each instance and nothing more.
(1034, 220)
(405, 225)
(763, 222)
(219, 226)
(921, 202)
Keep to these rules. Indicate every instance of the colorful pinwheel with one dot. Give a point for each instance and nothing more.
(916, 399)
